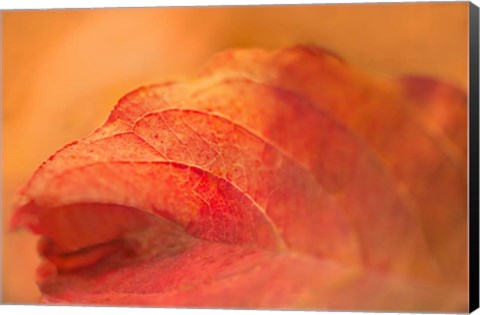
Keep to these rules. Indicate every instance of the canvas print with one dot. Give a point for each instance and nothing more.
(309, 157)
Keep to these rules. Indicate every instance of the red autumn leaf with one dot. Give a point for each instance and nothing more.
(281, 179)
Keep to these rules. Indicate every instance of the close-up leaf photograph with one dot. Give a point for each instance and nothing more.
(278, 157)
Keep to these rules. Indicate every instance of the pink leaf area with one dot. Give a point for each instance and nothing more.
(273, 179)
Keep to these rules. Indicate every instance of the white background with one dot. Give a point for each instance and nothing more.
(44, 4)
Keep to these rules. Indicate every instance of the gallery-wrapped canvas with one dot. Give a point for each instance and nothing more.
(303, 157)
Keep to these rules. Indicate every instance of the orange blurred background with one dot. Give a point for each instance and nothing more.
(63, 70)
